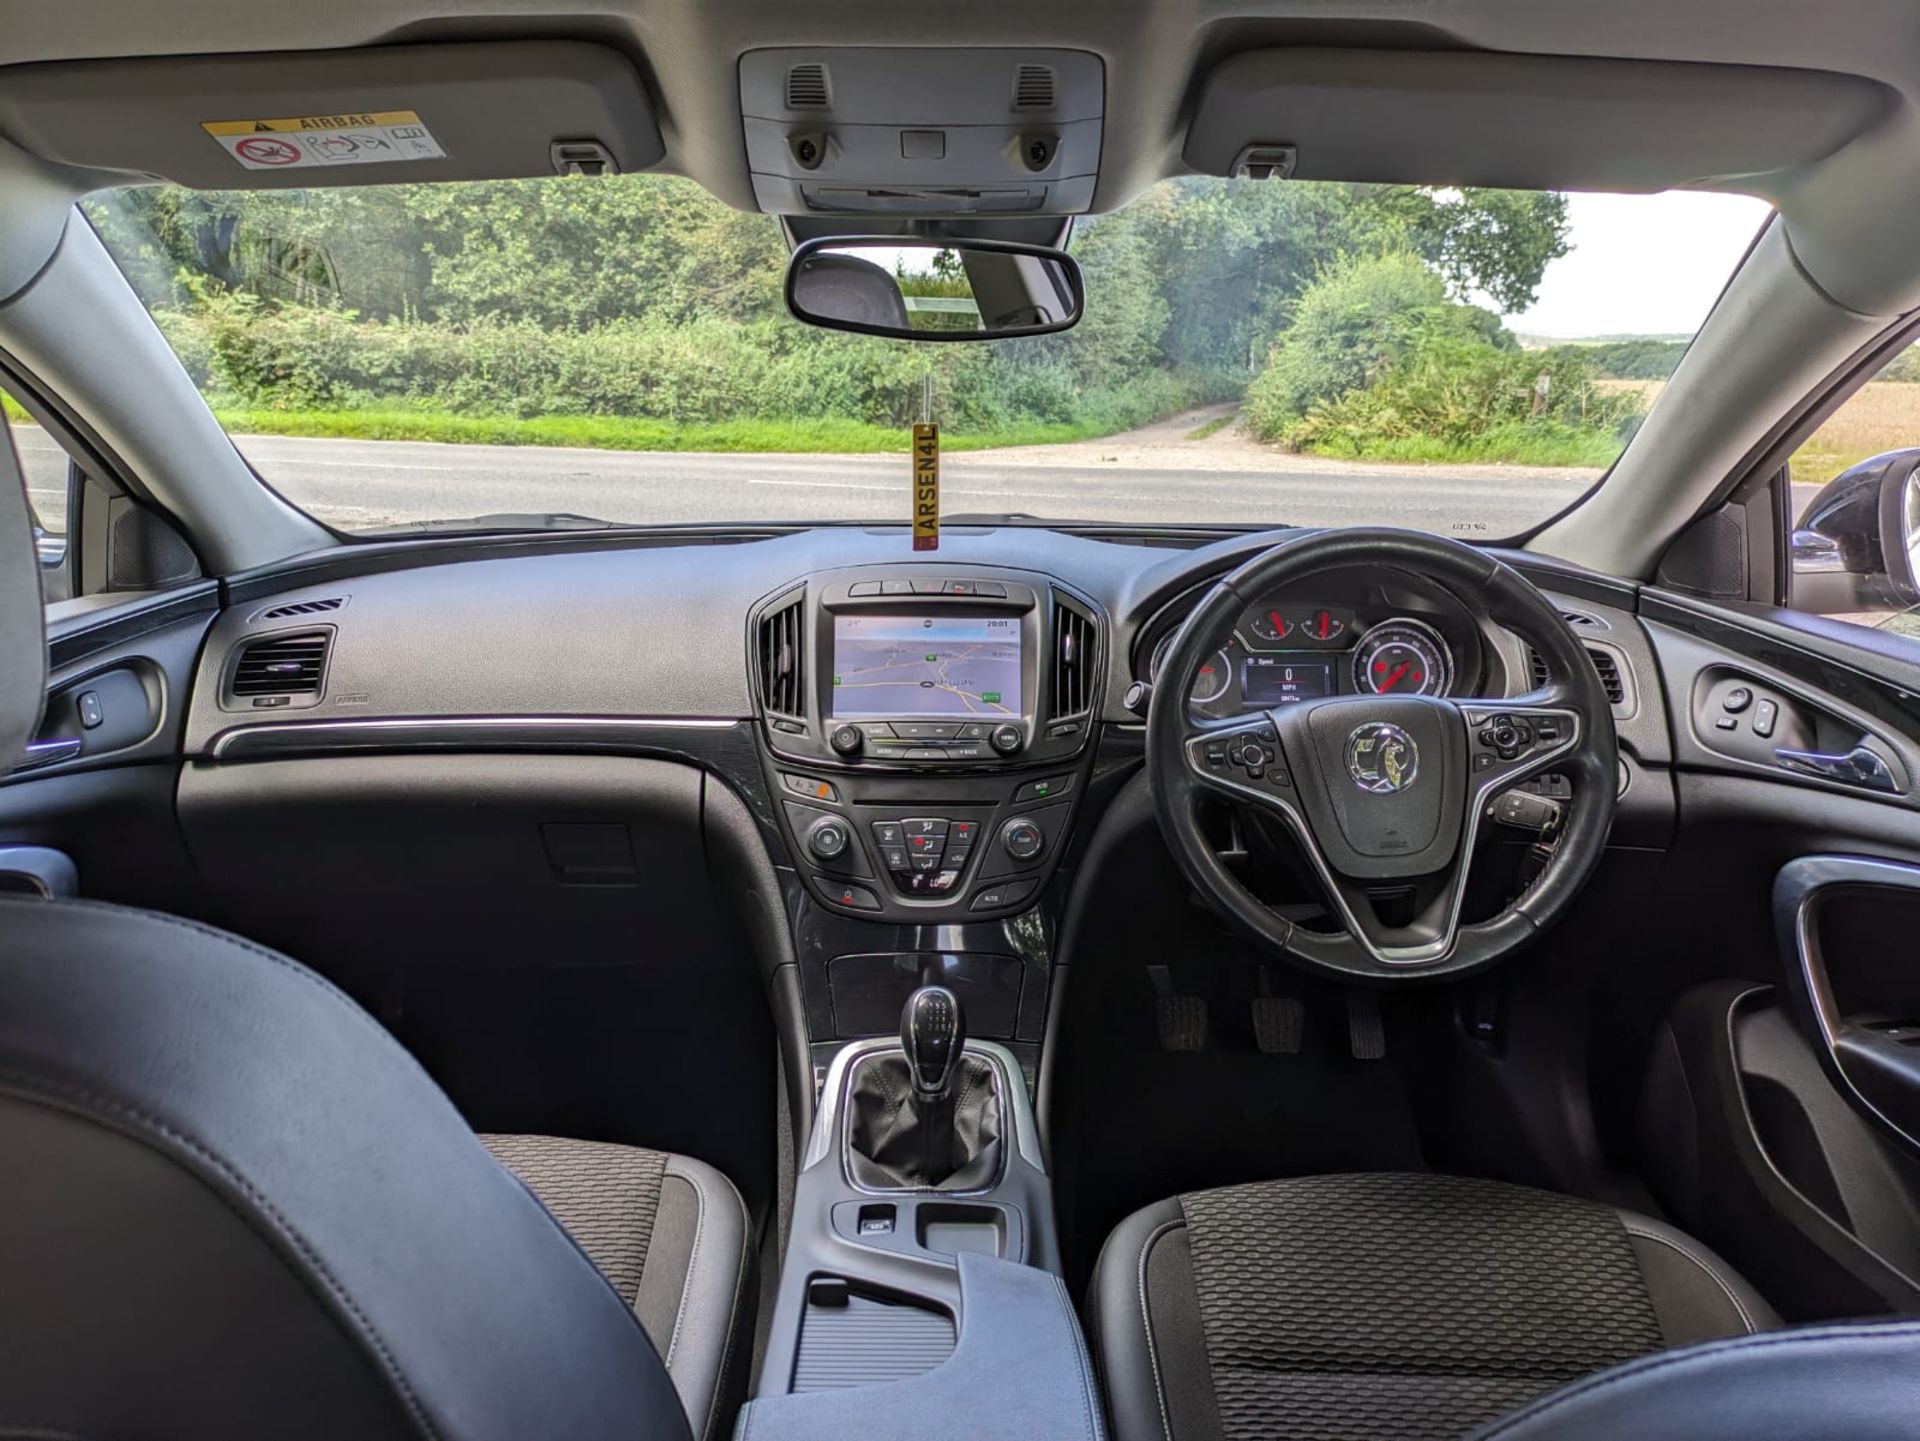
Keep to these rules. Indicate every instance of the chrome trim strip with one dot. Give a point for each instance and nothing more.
(529, 732)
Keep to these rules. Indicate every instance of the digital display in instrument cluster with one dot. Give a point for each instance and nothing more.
(1271, 680)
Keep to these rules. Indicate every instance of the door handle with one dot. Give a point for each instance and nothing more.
(48, 753)
(1857, 767)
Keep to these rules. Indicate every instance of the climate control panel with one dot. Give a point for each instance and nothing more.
(877, 847)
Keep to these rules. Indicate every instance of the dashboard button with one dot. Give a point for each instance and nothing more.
(896, 587)
(1736, 700)
(812, 789)
(864, 587)
(928, 587)
(959, 587)
(926, 753)
(990, 587)
(1053, 786)
(855, 898)
(1764, 715)
(972, 731)
(925, 730)
(887, 833)
(1005, 893)
(894, 858)
(925, 825)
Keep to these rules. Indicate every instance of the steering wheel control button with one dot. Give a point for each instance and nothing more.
(855, 898)
(847, 740)
(1736, 700)
(1022, 839)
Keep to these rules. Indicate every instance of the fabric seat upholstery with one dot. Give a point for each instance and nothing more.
(670, 1235)
(1385, 1306)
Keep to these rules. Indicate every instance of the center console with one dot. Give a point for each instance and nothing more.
(925, 729)
(920, 1283)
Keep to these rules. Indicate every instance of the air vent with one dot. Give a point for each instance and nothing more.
(1033, 87)
(807, 88)
(1073, 660)
(781, 660)
(302, 607)
(1579, 617)
(282, 664)
(1603, 662)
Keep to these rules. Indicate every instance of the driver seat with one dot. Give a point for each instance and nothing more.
(1385, 1306)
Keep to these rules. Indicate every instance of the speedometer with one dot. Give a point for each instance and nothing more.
(1402, 657)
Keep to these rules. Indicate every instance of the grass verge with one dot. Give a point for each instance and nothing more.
(1507, 444)
(1212, 427)
(598, 432)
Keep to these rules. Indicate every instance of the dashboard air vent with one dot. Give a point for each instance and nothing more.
(1603, 662)
(1033, 87)
(302, 607)
(781, 660)
(282, 664)
(1073, 660)
(807, 88)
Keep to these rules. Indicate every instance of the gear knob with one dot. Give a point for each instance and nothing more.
(932, 1032)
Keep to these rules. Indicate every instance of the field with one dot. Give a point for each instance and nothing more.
(1883, 415)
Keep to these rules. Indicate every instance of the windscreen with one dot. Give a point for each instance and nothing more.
(579, 350)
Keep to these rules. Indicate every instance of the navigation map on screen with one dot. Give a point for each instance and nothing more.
(893, 665)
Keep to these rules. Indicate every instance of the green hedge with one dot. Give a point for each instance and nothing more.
(256, 357)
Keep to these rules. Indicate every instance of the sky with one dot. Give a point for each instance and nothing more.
(1642, 264)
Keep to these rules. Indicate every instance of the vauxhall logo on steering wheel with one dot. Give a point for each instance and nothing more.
(1382, 758)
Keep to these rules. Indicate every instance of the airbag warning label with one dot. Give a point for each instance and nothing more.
(368, 138)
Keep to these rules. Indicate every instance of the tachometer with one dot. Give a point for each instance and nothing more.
(1402, 657)
(1210, 682)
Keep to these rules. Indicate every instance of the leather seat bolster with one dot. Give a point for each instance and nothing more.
(1839, 1383)
(1145, 1319)
(693, 1291)
(1696, 1296)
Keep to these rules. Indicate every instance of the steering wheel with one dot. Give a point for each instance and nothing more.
(1384, 792)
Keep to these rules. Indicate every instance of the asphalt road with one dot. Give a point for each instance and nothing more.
(360, 484)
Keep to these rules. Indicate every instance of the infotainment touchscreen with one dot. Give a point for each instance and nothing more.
(916, 665)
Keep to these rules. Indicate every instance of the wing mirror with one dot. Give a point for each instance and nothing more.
(1857, 548)
(934, 290)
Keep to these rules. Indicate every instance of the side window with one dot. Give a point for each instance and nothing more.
(1855, 546)
(47, 468)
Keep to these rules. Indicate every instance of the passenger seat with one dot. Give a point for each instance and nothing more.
(670, 1235)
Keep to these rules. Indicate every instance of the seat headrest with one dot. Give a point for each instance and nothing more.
(23, 630)
(849, 288)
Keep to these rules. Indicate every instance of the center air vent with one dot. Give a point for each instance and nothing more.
(291, 664)
(780, 660)
(1033, 87)
(1073, 660)
(807, 88)
(1603, 662)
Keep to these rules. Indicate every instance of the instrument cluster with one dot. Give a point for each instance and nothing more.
(1282, 651)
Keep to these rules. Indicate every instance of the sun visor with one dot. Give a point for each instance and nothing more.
(480, 111)
(1519, 121)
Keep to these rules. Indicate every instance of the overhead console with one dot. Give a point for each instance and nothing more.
(922, 132)
(925, 728)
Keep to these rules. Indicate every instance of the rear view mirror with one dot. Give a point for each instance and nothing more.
(1857, 548)
(934, 290)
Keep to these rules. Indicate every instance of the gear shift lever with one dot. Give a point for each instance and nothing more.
(933, 1030)
(942, 1126)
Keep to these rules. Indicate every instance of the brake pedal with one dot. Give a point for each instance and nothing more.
(1366, 1034)
(1279, 1025)
(1181, 1020)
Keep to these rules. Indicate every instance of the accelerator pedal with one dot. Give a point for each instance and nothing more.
(1181, 1020)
